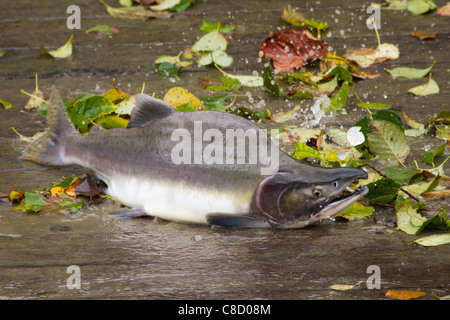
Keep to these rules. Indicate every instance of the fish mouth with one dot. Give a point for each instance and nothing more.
(341, 202)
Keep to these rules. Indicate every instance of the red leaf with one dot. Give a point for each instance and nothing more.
(291, 49)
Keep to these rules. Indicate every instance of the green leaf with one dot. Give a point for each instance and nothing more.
(431, 87)
(409, 73)
(135, 12)
(417, 189)
(6, 105)
(400, 175)
(302, 151)
(186, 107)
(295, 18)
(342, 73)
(167, 69)
(175, 60)
(182, 6)
(211, 41)
(434, 240)
(408, 220)
(339, 101)
(70, 204)
(165, 5)
(62, 52)
(269, 81)
(383, 190)
(373, 105)
(420, 6)
(215, 103)
(209, 26)
(101, 28)
(428, 157)
(222, 58)
(111, 122)
(356, 211)
(228, 84)
(34, 201)
(387, 142)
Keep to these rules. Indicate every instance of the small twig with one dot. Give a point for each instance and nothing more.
(384, 176)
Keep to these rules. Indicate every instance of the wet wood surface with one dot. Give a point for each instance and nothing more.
(126, 259)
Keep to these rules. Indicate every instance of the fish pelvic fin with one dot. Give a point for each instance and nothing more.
(229, 220)
(47, 148)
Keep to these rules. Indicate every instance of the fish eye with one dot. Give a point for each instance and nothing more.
(336, 184)
(317, 191)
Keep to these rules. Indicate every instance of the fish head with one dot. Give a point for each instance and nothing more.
(294, 200)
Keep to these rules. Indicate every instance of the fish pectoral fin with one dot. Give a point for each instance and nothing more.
(230, 220)
(130, 213)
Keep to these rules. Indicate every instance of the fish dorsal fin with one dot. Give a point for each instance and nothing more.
(148, 109)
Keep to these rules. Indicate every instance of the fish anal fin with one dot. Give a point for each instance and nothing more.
(148, 109)
(230, 220)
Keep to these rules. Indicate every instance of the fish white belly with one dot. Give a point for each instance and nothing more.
(177, 202)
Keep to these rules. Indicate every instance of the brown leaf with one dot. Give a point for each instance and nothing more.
(444, 11)
(365, 57)
(423, 35)
(84, 185)
(291, 49)
(404, 294)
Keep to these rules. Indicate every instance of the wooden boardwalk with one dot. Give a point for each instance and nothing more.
(142, 259)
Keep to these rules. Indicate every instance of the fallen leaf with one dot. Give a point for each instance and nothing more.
(444, 11)
(175, 60)
(165, 5)
(420, 6)
(210, 42)
(423, 35)
(409, 73)
(383, 190)
(428, 157)
(281, 117)
(434, 240)
(342, 287)
(356, 211)
(295, 18)
(135, 12)
(178, 96)
(436, 194)
(245, 80)
(431, 87)
(355, 136)
(365, 57)
(209, 26)
(62, 52)
(84, 185)
(404, 294)
(103, 29)
(387, 142)
(36, 98)
(6, 105)
(291, 49)
(408, 220)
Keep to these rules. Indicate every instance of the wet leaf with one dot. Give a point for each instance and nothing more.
(342, 287)
(83, 185)
(115, 95)
(209, 26)
(434, 240)
(383, 190)
(428, 157)
(62, 52)
(6, 105)
(356, 211)
(409, 73)
(373, 105)
(221, 58)
(281, 117)
(165, 5)
(218, 103)
(34, 201)
(400, 175)
(291, 49)
(175, 60)
(103, 29)
(431, 87)
(178, 96)
(408, 220)
(167, 69)
(269, 81)
(404, 294)
(387, 142)
(182, 6)
(443, 132)
(420, 6)
(365, 57)
(417, 189)
(339, 101)
(72, 204)
(302, 151)
(135, 12)
(210, 42)
(245, 80)
(227, 84)
(111, 121)
(295, 18)
(2, 53)
(36, 98)
(423, 35)
(16, 196)
(342, 74)
(410, 122)
(444, 11)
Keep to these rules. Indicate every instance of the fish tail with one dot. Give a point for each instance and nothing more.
(48, 147)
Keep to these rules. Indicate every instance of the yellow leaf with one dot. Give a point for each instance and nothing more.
(56, 191)
(404, 294)
(178, 96)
